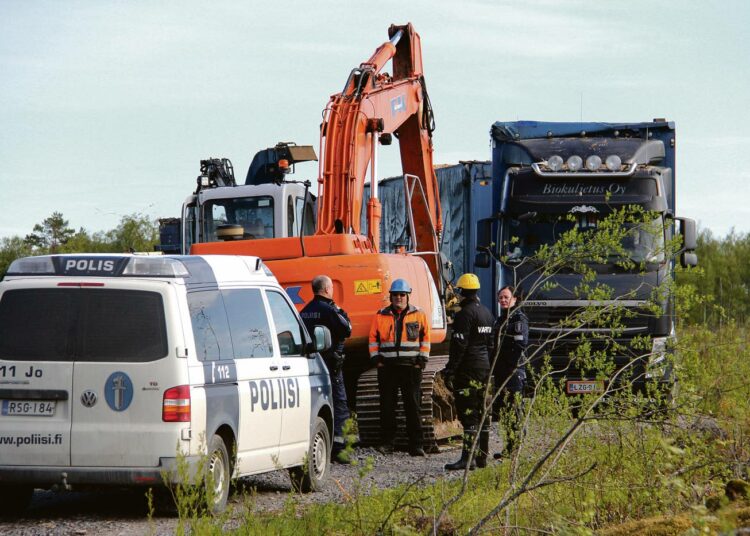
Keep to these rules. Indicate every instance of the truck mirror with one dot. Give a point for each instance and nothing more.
(482, 259)
(688, 232)
(688, 259)
(484, 233)
(322, 337)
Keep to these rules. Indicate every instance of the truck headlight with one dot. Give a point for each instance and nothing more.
(613, 162)
(555, 162)
(657, 361)
(593, 162)
(575, 162)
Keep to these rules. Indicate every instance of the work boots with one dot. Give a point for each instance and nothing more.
(465, 451)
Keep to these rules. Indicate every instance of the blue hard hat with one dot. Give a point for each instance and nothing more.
(400, 285)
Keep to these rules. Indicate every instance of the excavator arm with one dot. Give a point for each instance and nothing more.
(372, 108)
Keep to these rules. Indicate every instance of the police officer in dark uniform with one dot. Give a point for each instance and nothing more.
(322, 311)
(468, 369)
(511, 332)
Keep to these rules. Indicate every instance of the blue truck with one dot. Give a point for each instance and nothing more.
(547, 178)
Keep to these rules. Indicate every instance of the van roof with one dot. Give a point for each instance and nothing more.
(193, 269)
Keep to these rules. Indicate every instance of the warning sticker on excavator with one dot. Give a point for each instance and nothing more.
(367, 286)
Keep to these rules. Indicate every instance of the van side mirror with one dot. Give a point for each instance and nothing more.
(689, 234)
(322, 337)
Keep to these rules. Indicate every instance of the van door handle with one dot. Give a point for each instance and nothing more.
(286, 367)
(274, 367)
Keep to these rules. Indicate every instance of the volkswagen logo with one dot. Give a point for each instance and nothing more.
(88, 398)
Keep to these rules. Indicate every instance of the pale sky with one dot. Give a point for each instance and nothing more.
(107, 107)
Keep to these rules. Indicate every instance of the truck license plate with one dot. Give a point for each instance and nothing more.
(584, 386)
(29, 408)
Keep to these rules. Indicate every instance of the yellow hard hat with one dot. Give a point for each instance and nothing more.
(468, 282)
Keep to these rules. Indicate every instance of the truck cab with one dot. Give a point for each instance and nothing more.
(550, 178)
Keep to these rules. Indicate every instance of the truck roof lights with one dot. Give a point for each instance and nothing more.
(555, 163)
(613, 162)
(575, 163)
(591, 167)
(593, 162)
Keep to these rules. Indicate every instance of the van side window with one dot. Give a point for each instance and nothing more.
(288, 329)
(210, 327)
(248, 323)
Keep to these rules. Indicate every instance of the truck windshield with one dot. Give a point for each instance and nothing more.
(643, 242)
(255, 214)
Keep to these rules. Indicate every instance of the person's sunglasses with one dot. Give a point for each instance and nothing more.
(398, 294)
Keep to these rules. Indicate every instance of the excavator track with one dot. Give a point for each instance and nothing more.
(439, 421)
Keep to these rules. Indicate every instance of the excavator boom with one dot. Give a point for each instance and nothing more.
(371, 109)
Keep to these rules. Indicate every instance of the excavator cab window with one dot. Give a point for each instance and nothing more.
(308, 226)
(291, 228)
(254, 214)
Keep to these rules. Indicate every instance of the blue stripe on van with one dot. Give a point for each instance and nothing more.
(222, 408)
(219, 372)
(222, 397)
(320, 388)
(201, 273)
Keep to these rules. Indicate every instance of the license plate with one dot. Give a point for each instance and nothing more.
(584, 386)
(29, 408)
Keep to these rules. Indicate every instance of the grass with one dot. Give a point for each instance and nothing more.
(636, 476)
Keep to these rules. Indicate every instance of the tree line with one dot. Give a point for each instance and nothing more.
(722, 279)
(134, 232)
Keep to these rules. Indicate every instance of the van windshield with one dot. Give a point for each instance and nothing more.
(94, 325)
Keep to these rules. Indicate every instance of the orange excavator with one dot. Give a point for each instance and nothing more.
(372, 108)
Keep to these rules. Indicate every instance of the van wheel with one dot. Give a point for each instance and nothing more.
(14, 500)
(217, 475)
(311, 476)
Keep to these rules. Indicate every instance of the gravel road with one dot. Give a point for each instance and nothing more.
(124, 512)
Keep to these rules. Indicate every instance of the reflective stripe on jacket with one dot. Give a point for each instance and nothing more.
(401, 339)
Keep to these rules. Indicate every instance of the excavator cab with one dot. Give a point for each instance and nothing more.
(268, 205)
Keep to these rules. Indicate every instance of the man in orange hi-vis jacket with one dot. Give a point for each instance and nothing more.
(399, 347)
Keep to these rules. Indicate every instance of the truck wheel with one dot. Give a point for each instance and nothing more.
(217, 475)
(311, 476)
(14, 500)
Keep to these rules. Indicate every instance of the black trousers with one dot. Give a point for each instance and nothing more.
(408, 380)
(508, 407)
(468, 392)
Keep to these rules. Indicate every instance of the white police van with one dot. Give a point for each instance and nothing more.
(111, 364)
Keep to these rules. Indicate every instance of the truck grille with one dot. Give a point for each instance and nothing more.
(554, 318)
(557, 354)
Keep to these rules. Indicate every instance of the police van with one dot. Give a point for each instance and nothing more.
(115, 368)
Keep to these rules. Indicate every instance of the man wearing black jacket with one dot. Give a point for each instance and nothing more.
(468, 369)
(323, 311)
(511, 332)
